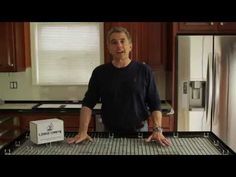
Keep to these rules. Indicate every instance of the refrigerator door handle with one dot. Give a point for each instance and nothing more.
(209, 90)
(213, 87)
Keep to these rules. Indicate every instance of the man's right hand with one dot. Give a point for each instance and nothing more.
(79, 138)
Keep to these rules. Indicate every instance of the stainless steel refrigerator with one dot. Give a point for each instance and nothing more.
(207, 85)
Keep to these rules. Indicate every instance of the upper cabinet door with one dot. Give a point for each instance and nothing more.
(138, 33)
(132, 27)
(197, 26)
(157, 44)
(207, 27)
(7, 52)
(227, 26)
(149, 41)
(12, 45)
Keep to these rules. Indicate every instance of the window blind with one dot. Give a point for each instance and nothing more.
(65, 53)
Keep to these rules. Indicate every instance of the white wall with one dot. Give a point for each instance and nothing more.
(27, 91)
(160, 76)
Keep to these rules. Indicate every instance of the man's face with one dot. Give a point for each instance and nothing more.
(119, 46)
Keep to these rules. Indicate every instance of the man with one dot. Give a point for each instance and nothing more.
(127, 90)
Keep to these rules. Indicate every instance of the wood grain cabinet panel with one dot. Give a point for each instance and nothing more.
(167, 123)
(207, 27)
(71, 120)
(149, 41)
(12, 47)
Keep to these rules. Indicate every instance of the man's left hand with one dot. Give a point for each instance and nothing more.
(158, 136)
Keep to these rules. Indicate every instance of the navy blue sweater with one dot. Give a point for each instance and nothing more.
(126, 94)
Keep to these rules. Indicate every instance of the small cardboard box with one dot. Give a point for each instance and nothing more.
(46, 131)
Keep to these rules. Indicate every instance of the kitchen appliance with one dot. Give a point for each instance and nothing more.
(206, 85)
(105, 143)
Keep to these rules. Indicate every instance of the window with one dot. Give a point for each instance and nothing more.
(65, 53)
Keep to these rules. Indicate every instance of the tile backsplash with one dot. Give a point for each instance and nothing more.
(26, 91)
(160, 76)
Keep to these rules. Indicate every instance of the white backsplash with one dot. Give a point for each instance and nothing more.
(26, 91)
(160, 76)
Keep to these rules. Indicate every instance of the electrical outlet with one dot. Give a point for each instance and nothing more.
(13, 85)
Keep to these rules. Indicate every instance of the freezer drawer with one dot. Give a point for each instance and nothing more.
(196, 120)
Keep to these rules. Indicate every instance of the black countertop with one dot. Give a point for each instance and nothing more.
(59, 106)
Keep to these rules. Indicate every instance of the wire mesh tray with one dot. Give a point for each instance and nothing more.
(105, 143)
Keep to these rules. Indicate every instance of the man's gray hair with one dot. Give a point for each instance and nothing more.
(118, 29)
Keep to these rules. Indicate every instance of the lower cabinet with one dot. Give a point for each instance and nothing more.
(167, 123)
(9, 128)
(71, 120)
(12, 124)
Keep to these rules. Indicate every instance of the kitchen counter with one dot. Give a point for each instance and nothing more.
(17, 106)
(68, 111)
(59, 106)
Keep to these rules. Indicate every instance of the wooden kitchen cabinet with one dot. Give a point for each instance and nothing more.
(9, 128)
(206, 27)
(167, 123)
(71, 120)
(227, 26)
(149, 41)
(157, 44)
(12, 47)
